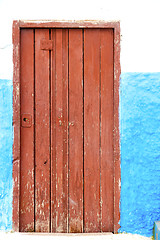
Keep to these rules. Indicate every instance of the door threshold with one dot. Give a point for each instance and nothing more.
(67, 234)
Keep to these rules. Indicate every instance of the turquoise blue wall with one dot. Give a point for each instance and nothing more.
(5, 155)
(140, 152)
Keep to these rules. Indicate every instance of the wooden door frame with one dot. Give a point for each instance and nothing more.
(17, 26)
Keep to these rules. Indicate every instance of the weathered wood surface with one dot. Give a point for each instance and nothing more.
(69, 24)
(42, 135)
(75, 130)
(92, 167)
(53, 131)
(74, 150)
(61, 52)
(107, 161)
(16, 125)
(27, 133)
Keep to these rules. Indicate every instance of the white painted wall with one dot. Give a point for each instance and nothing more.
(140, 41)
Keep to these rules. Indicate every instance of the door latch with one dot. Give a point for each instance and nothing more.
(26, 120)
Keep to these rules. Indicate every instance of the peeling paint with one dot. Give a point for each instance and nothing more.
(72, 202)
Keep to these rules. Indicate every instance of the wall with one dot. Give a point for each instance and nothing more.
(140, 145)
(139, 99)
(5, 154)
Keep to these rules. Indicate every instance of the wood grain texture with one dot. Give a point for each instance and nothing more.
(92, 211)
(42, 135)
(16, 125)
(69, 24)
(52, 107)
(62, 130)
(75, 130)
(117, 168)
(27, 133)
(53, 133)
(107, 161)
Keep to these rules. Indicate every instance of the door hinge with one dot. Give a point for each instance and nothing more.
(46, 44)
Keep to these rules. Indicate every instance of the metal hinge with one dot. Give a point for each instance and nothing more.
(46, 44)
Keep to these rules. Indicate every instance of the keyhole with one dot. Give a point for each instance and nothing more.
(25, 119)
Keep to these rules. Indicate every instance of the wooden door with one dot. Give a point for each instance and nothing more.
(66, 135)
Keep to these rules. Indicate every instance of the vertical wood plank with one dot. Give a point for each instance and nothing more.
(16, 125)
(107, 160)
(117, 169)
(62, 129)
(53, 132)
(92, 211)
(42, 134)
(75, 130)
(27, 134)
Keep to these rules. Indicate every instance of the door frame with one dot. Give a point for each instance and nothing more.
(17, 26)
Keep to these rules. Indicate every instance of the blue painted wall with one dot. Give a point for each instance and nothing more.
(5, 155)
(140, 151)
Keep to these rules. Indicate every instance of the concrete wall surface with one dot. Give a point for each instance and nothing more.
(139, 99)
(5, 154)
(140, 155)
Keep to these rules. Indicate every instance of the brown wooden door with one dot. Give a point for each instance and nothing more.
(67, 167)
